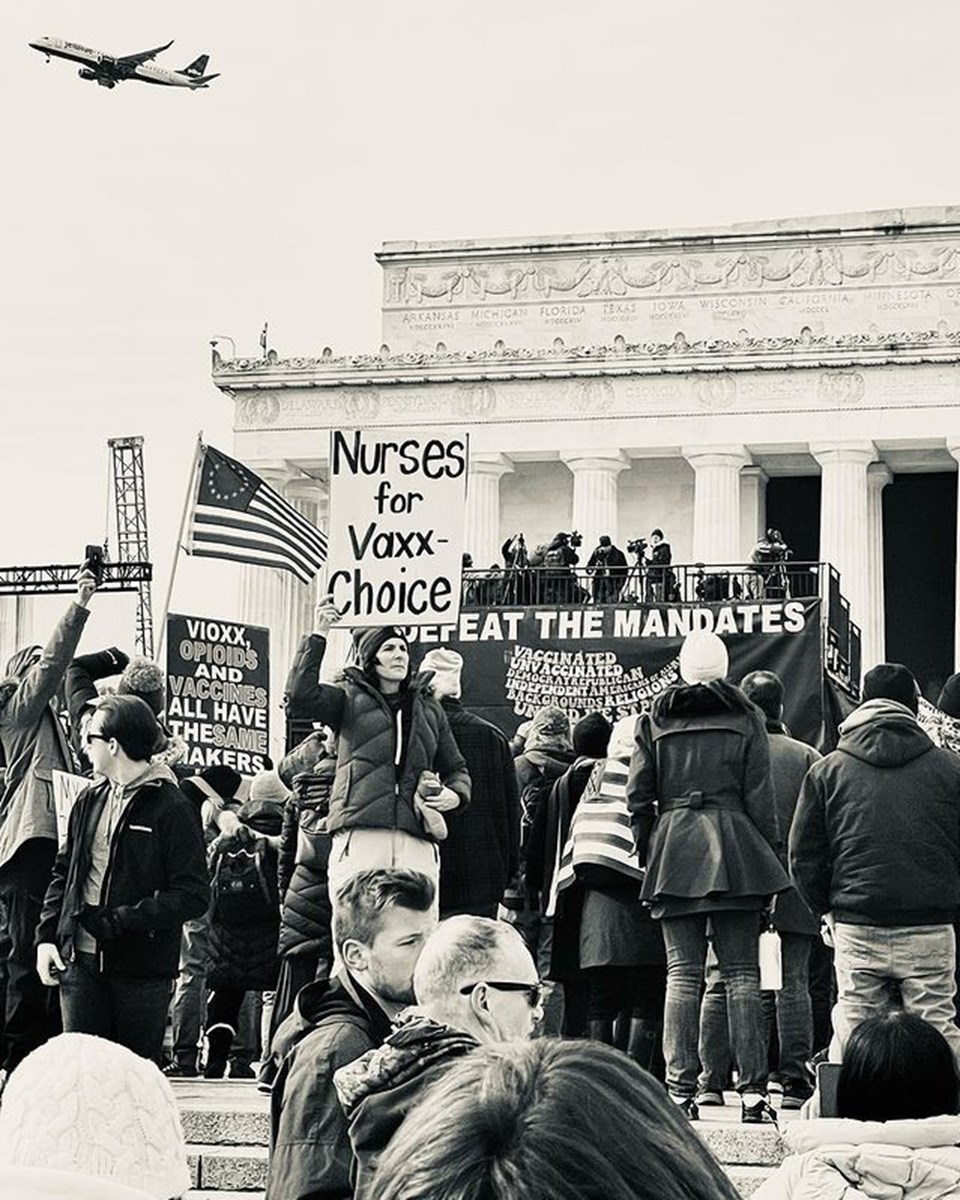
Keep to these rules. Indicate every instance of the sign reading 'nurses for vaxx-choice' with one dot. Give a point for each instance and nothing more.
(396, 525)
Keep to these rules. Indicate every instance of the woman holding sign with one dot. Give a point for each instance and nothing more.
(398, 768)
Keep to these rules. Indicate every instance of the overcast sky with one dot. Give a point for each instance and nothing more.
(142, 221)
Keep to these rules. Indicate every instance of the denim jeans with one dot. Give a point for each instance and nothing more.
(735, 937)
(920, 958)
(132, 1012)
(790, 1007)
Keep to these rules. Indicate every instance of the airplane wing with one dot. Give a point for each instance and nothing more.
(134, 60)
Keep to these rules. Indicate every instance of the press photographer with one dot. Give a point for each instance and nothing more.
(608, 568)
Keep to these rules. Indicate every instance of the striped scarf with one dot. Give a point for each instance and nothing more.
(600, 832)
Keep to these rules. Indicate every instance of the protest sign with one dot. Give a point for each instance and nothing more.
(66, 789)
(396, 526)
(218, 691)
(617, 660)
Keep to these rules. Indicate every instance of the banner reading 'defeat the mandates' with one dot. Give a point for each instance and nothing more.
(396, 525)
(218, 691)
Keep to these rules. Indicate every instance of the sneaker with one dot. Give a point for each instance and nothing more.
(687, 1107)
(176, 1070)
(795, 1094)
(710, 1099)
(759, 1113)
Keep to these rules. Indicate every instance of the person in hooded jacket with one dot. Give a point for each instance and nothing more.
(875, 851)
(896, 1131)
(700, 799)
(398, 767)
(33, 745)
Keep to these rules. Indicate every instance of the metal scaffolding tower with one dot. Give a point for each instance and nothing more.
(130, 502)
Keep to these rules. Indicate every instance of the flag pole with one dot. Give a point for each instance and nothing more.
(189, 502)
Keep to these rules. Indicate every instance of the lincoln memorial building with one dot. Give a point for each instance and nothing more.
(799, 374)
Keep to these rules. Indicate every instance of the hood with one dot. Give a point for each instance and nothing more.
(379, 1088)
(884, 734)
(803, 1136)
(20, 662)
(317, 1000)
(44, 1183)
(549, 760)
(702, 700)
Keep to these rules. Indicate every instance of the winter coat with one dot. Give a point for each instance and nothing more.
(551, 823)
(367, 792)
(245, 957)
(481, 851)
(700, 799)
(33, 742)
(45, 1183)
(334, 1023)
(156, 878)
(841, 1159)
(378, 1090)
(789, 762)
(876, 836)
(304, 854)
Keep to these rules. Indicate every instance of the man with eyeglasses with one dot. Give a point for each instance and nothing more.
(476, 984)
(133, 869)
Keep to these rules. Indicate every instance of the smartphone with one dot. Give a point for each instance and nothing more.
(93, 562)
(828, 1076)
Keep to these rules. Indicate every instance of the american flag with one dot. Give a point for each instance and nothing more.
(237, 516)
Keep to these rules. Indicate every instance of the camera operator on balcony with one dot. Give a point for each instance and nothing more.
(607, 566)
(767, 572)
(661, 579)
(558, 583)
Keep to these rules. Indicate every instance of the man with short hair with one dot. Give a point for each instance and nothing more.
(475, 984)
(381, 920)
(480, 854)
(132, 871)
(875, 851)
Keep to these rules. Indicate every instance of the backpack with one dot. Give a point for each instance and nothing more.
(244, 887)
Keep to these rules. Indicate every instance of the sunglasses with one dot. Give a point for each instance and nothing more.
(532, 991)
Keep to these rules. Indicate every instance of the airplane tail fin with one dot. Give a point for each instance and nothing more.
(198, 66)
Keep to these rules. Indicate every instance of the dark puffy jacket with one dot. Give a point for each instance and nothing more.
(304, 854)
(701, 802)
(366, 790)
(156, 878)
(876, 835)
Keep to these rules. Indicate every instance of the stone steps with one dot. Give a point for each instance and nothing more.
(227, 1127)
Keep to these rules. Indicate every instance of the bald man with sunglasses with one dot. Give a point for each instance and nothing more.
(475, 984)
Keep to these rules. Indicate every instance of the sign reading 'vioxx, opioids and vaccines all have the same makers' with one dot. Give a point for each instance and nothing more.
(218, 691)
(396, 525)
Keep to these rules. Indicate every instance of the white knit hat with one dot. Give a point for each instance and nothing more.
(84, 1105)
(446, 665)
(703, 658)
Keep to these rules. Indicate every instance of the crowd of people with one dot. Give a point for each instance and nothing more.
(552, 573)
(436, 942)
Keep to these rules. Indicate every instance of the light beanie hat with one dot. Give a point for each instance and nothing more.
(703, 658)
(87, 1106)
(446, 666)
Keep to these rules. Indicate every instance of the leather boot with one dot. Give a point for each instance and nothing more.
(218, 1040)
(644, 1043)
(601, 1031)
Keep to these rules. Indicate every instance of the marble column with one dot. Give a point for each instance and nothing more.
(277, 599)
(482, 529)
(716, 502)
(845, 523)
(874, 640)
(953, 445)
(753, 508)
(596, 507)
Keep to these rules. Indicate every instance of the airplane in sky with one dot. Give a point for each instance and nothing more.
(108, 70)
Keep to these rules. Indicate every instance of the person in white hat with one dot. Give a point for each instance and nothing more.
(700, 798)
(87, 1119)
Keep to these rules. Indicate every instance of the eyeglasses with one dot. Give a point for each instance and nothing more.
(533, 991)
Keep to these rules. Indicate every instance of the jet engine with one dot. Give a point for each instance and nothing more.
(103, 80)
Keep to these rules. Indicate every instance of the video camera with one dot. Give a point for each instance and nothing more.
(637, 546)
(574, 539)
